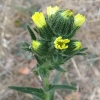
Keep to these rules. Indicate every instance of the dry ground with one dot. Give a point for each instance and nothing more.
(16, 65)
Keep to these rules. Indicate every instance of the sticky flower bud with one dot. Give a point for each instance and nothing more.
(36, 45)
(60, 43)
(52, 10)
(39, 19)
(79, 20)
(78, 45)
(67, 13)
(62, 22)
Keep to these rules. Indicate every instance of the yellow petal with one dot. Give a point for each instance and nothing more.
(60, 43)
(52, 10)
(79, 20)
(39, 19)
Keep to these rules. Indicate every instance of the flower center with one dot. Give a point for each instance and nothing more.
(60, 43)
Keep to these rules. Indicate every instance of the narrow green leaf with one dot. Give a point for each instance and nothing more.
(72, 33)
(58, 68)
(36, 30)
(55, 80)
(55, 87)
(81, 54)
(31, 33)
(34, 91)
(38, 60)
(25, 46)
(83, 49)
(69, 57)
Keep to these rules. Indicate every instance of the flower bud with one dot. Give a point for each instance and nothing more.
(62, 22)
(52, 10)
(42, 27)
(36, 45)
(78, 45)
(39, 19)
(73, 46)
(67, 13)
(40, 47)
(79, 20)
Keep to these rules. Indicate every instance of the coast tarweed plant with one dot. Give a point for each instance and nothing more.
(53, 48)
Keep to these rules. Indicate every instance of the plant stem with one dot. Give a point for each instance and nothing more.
(46, 87)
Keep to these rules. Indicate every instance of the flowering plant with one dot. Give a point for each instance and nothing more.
(54, 47)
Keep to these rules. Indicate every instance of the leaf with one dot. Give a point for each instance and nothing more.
(56, 78)
(31, 33)
(72, 33)
(55, 87)
(54, 82)
(38, 60)
(34, 91)
(81, 54)
(58, 68)
(25, 46)
(36, 30)
(69, 57)
(83, 49)
(57, 59)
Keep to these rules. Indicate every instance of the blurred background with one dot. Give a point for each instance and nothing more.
(16, 65)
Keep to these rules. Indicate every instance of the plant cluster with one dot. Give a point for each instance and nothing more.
(54, 46)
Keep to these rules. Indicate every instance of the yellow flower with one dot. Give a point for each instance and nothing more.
(39, 19)
(35, 45)
(52, 10)
(67, 13)
(79, 20)
(60, 43)
(78, 45)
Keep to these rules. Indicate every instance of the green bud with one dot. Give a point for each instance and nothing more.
(78, 45)
(40, 47)
(67, 13)
(36, 45)
(62, 22)
(73, 46)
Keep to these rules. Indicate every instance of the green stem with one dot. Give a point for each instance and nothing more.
(47, 97)
(46, 83)
(46, 87)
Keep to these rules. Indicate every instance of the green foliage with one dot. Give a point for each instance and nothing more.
(34, 91)
(26, 46)
(39, 60)
(31, 33)
(56, 87)
(72, 33)
(60, 25)
(58, 68)
(43, 71)
(55, 80)
(83, 49)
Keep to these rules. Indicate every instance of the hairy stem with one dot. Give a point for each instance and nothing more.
(46, 87)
